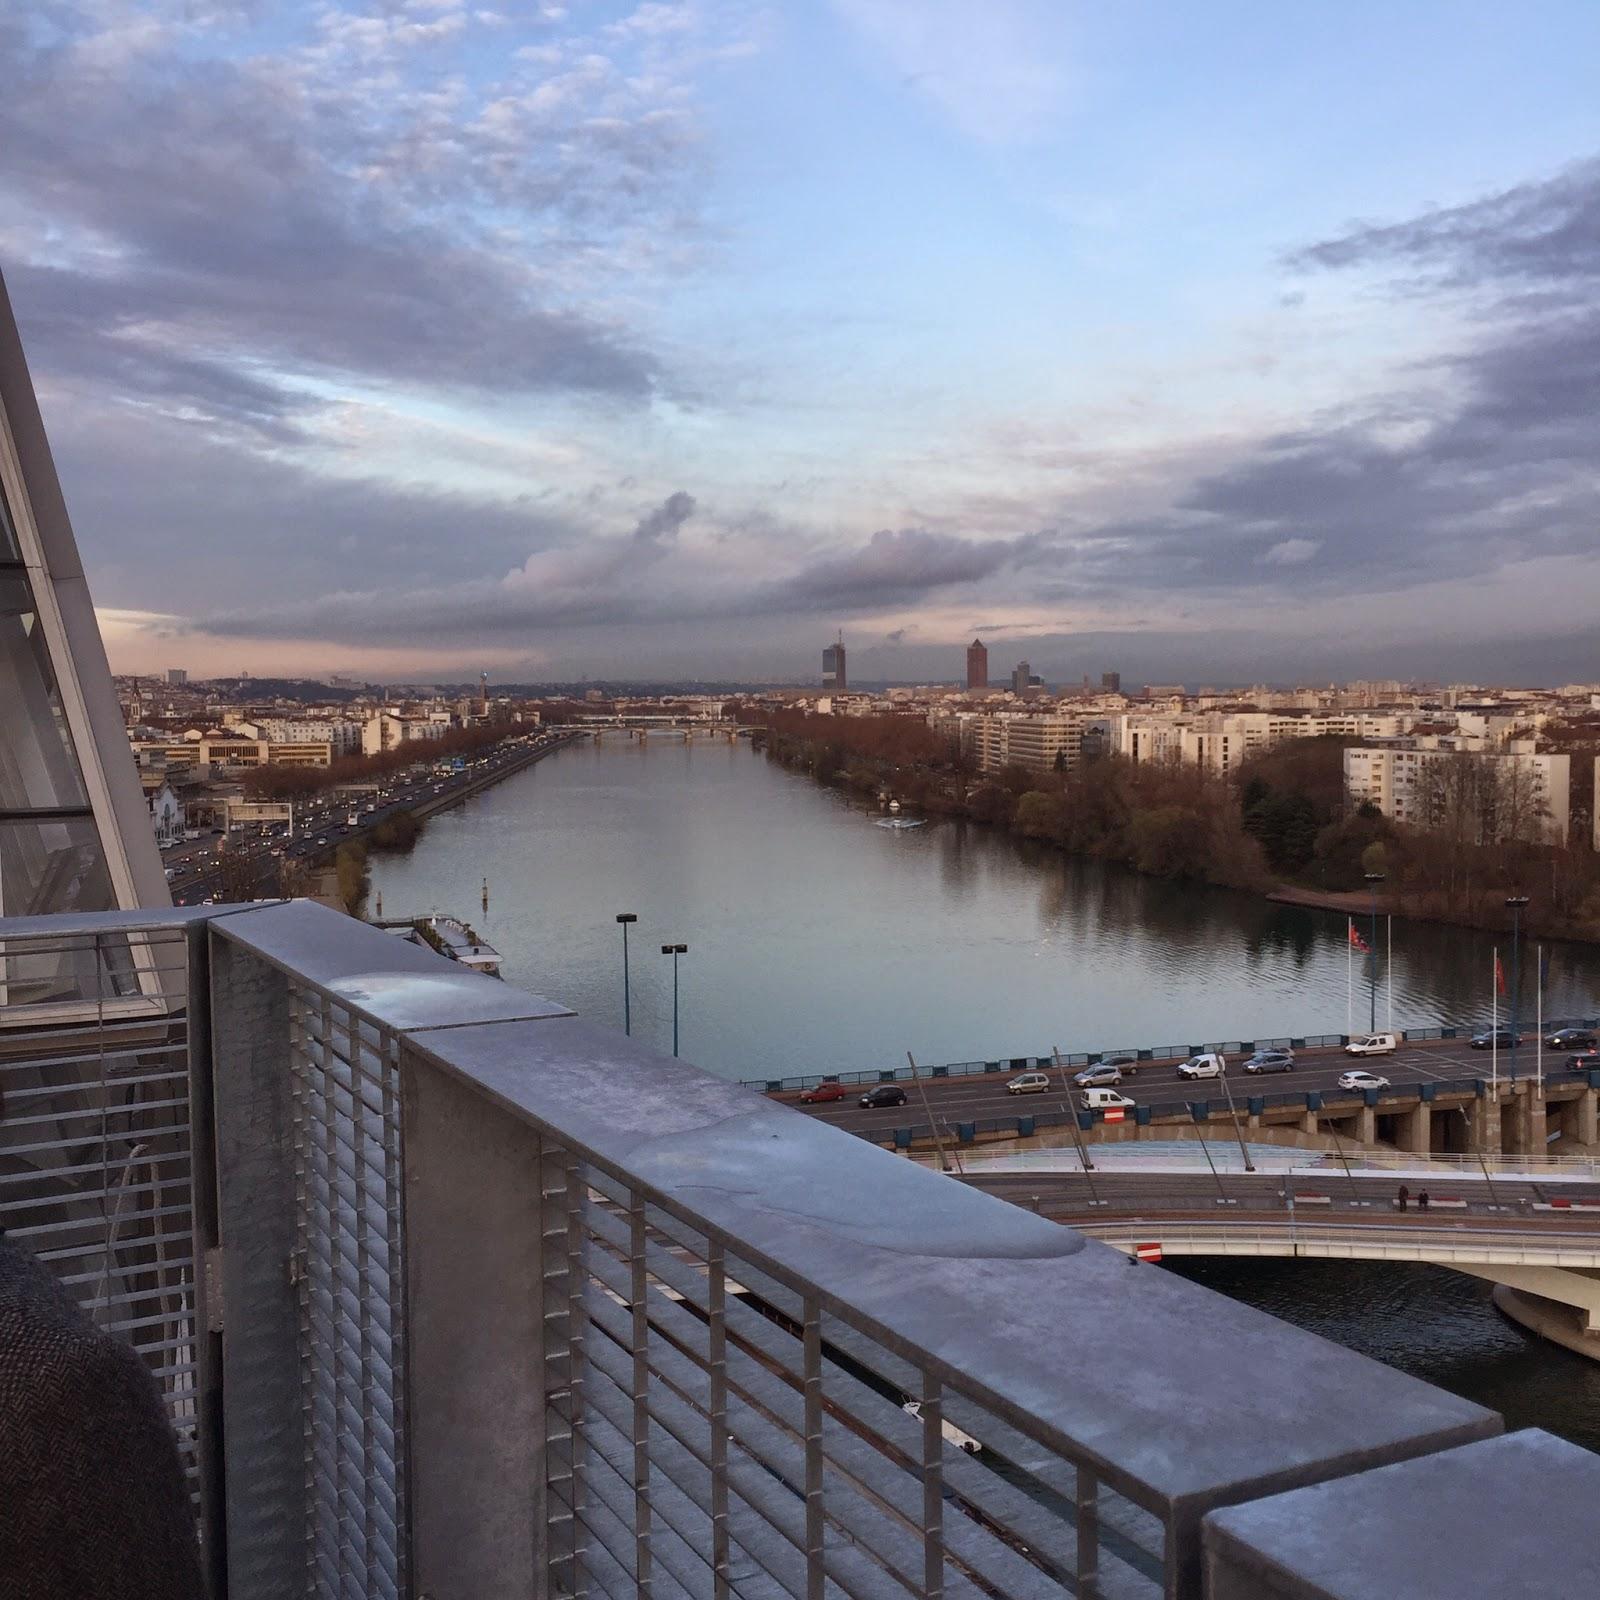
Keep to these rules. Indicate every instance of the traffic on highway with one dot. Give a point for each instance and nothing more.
(257, 861)
(1330, 1070)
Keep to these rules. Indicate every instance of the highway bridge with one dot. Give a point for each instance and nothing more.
(1534, 1233)
(1443, 1097)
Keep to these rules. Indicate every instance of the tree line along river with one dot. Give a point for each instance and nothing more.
(819, 942)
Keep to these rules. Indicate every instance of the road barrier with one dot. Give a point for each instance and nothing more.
(1152, 1054)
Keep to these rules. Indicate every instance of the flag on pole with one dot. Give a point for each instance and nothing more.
(1499, 974)
(1356, 941)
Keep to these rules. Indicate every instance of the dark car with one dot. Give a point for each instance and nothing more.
(1571, 1039)
(886, 1094)
(1271, 1061)
(818, 1093)
(1495, 1039)
(1585, 1061)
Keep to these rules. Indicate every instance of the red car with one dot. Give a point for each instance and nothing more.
(819, 1093)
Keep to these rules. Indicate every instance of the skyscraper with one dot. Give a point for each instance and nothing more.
(1021, 675)
(977, 665)
(1111, 682)
(834, 678)
(74, 831)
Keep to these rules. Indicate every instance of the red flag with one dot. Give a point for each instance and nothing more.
(1499, 974)
(1357, 941)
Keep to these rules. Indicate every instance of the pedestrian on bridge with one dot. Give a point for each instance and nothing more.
(1405, 1195)
(1422, 1201)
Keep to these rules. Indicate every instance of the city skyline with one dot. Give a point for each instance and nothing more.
(664, 340)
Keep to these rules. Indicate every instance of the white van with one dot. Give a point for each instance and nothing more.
(1371, 1044)
(1105, 1099)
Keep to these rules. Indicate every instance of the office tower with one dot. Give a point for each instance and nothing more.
(1021, 675)
(1111, 682)
(834, 679)
(977, 665)
(176, 677)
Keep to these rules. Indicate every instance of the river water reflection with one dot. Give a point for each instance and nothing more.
(819, 942)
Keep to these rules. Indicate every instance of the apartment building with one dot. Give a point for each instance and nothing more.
(1041, 742)
(341, 733)
(1400, 780)
(1219, 741)
(197, 757)
(388, 729)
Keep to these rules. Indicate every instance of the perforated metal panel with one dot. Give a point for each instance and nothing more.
(348, 1268)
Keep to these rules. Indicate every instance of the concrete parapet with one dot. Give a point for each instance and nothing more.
(1500, 1517)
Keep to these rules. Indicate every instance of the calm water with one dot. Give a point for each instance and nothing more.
(818, 942)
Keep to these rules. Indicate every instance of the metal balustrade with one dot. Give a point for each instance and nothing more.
(472, 1298)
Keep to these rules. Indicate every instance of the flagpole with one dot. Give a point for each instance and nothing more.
(1494, 1029)
(1349, 977)
(1538, 1052)
(1388, 963)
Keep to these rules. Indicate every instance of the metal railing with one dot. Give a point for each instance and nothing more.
(468, 1297)
(1150, 1053)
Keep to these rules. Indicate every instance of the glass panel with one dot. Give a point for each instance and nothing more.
(48, 867)
(37, 764)
(10, 550)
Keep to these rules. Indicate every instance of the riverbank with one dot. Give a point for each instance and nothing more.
(1278, 828)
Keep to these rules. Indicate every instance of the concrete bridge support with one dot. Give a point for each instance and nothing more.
(1414, 1130)
(1527, 1121)
(1525, 1295)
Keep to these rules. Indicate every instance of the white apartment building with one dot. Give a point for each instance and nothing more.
(1219, 741)
(387, 729)
(342, 735)
(1391, 777)
(1043, 742)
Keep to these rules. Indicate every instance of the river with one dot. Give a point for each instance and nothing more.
(819, 942)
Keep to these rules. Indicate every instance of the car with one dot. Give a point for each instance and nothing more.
(1271, 1061)
(1584, 1061)
(1571, 1039)
(1029, 1083)
(820, 1093)
(1371, 1044)
(1098, 1076)
(1495, 1039)
(1207, 1065)
(1128, 1060)
(1106, 1100)
(886, 1094)
(1357, 1080)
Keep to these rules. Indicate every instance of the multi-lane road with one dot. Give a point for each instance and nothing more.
(983, 1096)
(195, 868)
(1115, 1189)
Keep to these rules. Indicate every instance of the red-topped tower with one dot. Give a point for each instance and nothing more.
(977, 665)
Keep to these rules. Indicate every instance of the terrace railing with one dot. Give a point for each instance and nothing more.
(454, 1294)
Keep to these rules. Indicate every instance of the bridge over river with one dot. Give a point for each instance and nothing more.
(1530, 1227)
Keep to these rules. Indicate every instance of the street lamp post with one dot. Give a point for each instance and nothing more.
(1373, 880)
(625, 917)
(1515, 903)
(674, 950)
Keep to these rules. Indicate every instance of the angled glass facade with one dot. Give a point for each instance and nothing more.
(51, 856)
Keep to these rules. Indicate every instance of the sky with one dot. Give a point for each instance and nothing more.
(1222, 343)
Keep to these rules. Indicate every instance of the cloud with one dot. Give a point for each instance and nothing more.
(990, 66)
(1541, 232)
(1290, 552)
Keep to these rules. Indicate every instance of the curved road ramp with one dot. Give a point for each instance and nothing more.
(453, 1293)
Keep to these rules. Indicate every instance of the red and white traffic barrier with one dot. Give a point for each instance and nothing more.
(1147, 1252)
(1313, 1199)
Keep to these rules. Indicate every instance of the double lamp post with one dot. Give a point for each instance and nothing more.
(627, 919)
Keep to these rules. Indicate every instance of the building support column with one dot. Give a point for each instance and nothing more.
(1584, 1115)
